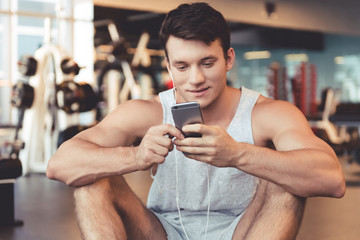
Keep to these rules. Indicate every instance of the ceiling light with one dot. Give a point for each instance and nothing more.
(257, 55)
(301, 57)
(339, 60)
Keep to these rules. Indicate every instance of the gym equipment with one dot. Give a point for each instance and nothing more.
(116, 80)
(10, 169)
(53, 101)
(340, 133)
(75, 97)
(54, 89)
(328, 107)
(7, 208)
(347, 115)
(69, 133)
(277, 82)
(69, 66)
(22, 95)
(304, 89)
(27, 65)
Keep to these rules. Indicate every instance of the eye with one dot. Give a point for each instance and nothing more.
(208, 63)
(181, 67)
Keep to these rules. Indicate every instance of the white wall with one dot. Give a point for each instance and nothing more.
(331, 16)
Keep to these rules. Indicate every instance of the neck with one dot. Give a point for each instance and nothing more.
(222, 111)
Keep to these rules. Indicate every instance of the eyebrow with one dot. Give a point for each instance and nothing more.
(178, 62)
(201, 60)
(209, 58)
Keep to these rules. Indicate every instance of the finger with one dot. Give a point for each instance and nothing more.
(199, 128)
(171, 131)
(193, 142)
(161, 141)
(201, 158)
(155, 152)
(158, 159)
(195, 150)
(150, 154)
(164, 129)
(161, 151)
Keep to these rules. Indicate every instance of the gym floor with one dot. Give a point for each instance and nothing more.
(47, 209)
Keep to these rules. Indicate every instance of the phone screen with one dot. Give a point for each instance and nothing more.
(187, 113)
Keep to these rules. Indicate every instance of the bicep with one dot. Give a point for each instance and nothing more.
(124, 126)
(289, 129)
(292, 130)
(106, 136)
(303, 138)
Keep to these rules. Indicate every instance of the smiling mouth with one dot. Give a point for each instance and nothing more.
(199, 90)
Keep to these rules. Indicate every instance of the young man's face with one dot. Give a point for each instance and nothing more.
(198, 70)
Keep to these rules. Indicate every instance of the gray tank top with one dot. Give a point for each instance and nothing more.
(231, 190)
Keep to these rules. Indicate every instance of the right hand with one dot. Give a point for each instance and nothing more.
(155, 145)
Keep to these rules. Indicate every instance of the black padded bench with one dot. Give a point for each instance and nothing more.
(10, 169)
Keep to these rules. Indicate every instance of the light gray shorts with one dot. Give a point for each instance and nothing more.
(220, 226)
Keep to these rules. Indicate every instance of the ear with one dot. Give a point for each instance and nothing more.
(169, 70)
(167, 64)
(230, 59)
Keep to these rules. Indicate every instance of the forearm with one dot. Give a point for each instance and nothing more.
(303, 172)
(79, 162)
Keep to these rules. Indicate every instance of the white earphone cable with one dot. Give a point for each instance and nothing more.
(177, 196)
(208, 210)
(177, 183)
(153, 177)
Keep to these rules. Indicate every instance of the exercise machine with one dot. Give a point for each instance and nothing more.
(120, 77)
(57, 102)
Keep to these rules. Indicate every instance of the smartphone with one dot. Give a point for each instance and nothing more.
(187, 113)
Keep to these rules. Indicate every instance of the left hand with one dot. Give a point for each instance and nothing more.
(215, 147)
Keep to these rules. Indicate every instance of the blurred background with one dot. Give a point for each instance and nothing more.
(65, 64)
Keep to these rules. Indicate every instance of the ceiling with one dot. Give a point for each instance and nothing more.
(328, 16)
(131, 23)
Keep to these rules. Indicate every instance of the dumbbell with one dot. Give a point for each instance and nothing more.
(22, 95)
(27, 65)
(69, 66)
(75, 97)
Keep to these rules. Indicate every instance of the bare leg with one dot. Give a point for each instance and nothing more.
(109, 209)
(273, 214)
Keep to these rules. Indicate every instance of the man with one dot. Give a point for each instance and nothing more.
(229, 185)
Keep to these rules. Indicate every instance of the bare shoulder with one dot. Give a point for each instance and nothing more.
(137, 113)
(265, 106)
(127, 123)
(272, 117)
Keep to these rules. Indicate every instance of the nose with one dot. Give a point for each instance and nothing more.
(196, 76)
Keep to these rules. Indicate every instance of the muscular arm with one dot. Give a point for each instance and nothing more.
(302, 164)
(107, 150)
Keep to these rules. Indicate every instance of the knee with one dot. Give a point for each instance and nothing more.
(90, 192)
(102, 189)
(281, 199)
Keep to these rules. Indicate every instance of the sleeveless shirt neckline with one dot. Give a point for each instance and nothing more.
(243, 90)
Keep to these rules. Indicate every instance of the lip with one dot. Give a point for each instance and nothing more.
(199, 92)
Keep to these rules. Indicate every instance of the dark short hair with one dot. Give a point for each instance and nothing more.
(196, 21)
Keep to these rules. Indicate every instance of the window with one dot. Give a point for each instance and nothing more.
(23, 29)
